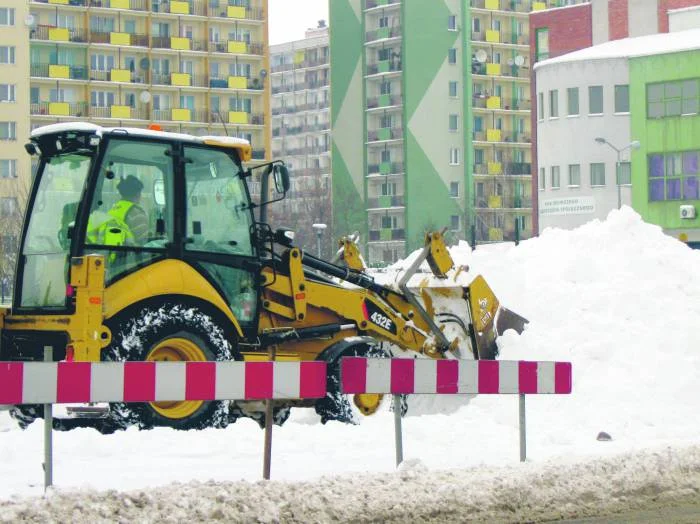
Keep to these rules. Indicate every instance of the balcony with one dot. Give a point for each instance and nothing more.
(371, 4)
(499, 202)
(222, 9)
(385, 201)
(178, 43)
(505, 169)
(491, 69)
(483, 101)
(237, 47)
(383, 33)
(384, 101)
(299, 86)
(133, 5)
(180, 7)
(518, 6)
(387, 235)
(492, 36)
(385, 66)
(72, 3)
(120, 39)
(385, 133)
(56, 71)
(75, 109)
(119, 112)
(385, 168)
(304, 64)
(58, 34)
(236, 82)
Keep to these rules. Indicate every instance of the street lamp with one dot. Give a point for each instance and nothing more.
(632, 145)
(319, 232)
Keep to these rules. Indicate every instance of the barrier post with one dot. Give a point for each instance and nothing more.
(48, 431)
(523, 443)
(267, 452)
(398, 436)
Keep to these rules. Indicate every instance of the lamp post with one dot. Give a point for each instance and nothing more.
(632, 145)
(319, 232)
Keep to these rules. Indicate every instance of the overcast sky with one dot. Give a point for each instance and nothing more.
(290, 18)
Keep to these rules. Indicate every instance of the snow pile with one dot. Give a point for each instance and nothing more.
(617, 298)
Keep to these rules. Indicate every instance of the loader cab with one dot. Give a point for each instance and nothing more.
(137, 197)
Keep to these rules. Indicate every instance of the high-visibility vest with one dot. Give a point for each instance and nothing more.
(114, 231)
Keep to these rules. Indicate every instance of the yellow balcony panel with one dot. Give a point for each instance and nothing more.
(181, 115)
(495, 201)
(493, 36)
(120, 4)
(236, 47)
(237, 117)
(120, 75)
(493, 135)
(180, 8)
(59, 2)
(237, 82)
(59, 34)
(59, 108)
(493, 102)
(299, 57)
(181, 43)
(495, 234)
(59, 71)
(181, 79)
(539, 6)
(120, 38)
(495, 168)
(493, 69)
(235, 11)
(492, 4)
(120, 112)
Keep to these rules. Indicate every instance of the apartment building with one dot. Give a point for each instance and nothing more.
(431, 120)
(300, 83)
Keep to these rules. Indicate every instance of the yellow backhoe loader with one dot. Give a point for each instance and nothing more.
(144, 245)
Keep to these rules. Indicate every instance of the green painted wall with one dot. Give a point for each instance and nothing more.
(673, 134)
(347, 117)
(428, 203)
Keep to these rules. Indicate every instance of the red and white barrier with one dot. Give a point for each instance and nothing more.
(408, 375)
(77, 382)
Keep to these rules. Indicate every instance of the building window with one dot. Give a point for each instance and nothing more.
(385, 122)
(454, 156)
(453, 89)
(595, 100)
(454, 223)
(542, 179)
(556, 182)
(7, 93)
(597, 174)
(454, 122)
(385, 88)
(383, 21)
(540, 106)
(541, 44)
(572, 101)
(454, 189)
(452, 23)
(8, 131)
(7, 16)
(674, 176)
(553, 103)
(8, 207)
(672, 98)
(622, 99)
(7, 54)
(8, 168)
(452, 56)
(385, 155)
(574, 175)
(625, 174)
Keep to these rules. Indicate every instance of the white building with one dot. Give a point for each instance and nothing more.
(582, 96)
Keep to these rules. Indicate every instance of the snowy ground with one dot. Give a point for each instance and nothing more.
(618, 299)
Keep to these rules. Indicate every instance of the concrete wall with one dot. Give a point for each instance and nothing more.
(571, 140)
(680, 20)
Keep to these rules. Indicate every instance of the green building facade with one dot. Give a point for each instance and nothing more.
(430, 105)
(665, 118)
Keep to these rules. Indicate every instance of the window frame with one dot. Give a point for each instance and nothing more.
(626, 100)
(590, 100)
(553, 103)
(571, 175)
(569, 100)
(591, 173)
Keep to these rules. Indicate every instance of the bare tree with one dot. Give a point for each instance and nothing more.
(12, 207)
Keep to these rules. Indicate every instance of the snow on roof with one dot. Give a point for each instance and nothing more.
(649, 45)
(134, 131)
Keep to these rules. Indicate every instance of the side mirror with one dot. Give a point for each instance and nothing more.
(159, 192)
(280, 174)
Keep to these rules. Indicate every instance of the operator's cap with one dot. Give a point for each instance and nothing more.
(130, 186)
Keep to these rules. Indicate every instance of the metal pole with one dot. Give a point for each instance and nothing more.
(523, 443)
(318, 243)
(617, 173)
(267, 452)
(48, 431)
(398, 437)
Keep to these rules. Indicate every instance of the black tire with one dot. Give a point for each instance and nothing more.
(138, 331)
(336, 405)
